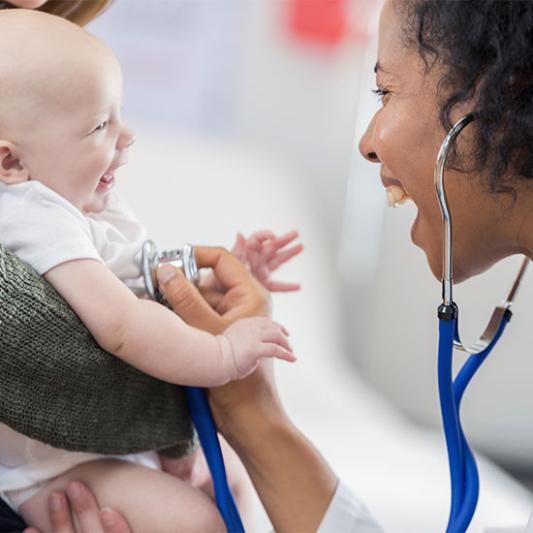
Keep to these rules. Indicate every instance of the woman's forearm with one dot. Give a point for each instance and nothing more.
(294, 482)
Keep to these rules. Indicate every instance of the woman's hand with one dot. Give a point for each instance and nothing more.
(214, 310)
(76, 511)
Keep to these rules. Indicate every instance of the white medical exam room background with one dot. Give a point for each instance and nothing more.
(247, 115)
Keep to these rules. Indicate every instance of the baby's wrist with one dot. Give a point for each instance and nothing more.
(227, 356)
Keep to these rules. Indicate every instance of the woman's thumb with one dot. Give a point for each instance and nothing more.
(184, 298)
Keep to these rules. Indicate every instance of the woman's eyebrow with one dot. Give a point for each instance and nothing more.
(379, 67)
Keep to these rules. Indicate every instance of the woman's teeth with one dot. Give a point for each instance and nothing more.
(107, 178)
(396, 195)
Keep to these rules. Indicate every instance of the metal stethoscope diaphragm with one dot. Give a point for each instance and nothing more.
(180, 258)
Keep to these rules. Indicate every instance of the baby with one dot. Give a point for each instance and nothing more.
(61, 141)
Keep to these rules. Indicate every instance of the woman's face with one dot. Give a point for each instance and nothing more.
(404, 137)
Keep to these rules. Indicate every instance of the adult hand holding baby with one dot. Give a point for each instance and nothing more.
(76, 511)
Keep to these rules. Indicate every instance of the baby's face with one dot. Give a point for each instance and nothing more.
(83, 141)
(66, 127)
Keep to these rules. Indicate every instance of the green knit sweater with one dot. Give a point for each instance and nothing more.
(58, 386)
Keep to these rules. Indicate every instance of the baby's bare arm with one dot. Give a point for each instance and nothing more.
(156, 341)
(143, 333)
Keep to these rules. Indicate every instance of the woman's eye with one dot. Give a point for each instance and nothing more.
(381, 93)
(101, 126)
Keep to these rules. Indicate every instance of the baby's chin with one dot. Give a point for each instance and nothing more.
(96, 204)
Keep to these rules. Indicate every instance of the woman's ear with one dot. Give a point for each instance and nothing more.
(11, 169)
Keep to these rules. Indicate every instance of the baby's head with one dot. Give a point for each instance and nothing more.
(60, 103)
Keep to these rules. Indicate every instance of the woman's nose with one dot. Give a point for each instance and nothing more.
(126, 139)
(366, 144)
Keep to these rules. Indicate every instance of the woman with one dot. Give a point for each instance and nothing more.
(437, 61)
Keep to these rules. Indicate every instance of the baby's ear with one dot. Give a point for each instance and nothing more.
(11, 169)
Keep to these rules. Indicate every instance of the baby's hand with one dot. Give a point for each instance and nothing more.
(249, 340)
(263, 252)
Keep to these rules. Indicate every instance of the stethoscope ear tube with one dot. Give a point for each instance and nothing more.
(463, 469)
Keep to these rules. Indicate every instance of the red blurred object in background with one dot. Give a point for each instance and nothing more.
(322, 22)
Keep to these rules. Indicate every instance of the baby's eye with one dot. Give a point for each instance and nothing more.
(101, 126)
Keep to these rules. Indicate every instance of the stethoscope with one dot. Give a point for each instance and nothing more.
(463, 468)
(200, 412)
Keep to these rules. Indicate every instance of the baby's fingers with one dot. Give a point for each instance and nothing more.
(269, 349)
(256, 240)
(277, 243)
(282, 286)
(278, 336)
(284, 256)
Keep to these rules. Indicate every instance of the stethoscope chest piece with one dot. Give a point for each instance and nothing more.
(182, 258)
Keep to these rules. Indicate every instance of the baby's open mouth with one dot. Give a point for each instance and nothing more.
(106, 181)
(396, 195)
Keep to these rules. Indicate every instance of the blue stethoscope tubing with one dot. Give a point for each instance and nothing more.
(463, 469)
(208, 435)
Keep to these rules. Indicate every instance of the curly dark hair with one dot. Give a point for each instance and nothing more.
(485, 48)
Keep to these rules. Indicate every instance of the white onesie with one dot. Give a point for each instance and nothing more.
(44, 230)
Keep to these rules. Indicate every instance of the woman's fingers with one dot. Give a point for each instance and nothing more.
(113, 522)
(59, 510)
(84, 508)
(185, 299)
(80, 501)
(228, 270)
(211, 296)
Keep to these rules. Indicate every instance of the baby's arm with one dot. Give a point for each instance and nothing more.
(153, 339)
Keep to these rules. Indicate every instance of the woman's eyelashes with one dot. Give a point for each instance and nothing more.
(381, 93)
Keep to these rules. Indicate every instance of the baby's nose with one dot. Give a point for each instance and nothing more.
(126, 139)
